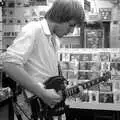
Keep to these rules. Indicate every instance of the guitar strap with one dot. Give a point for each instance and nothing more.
(59, 70)
(66, 107)
(37, 109)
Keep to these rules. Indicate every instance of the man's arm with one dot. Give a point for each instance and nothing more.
(17, 73)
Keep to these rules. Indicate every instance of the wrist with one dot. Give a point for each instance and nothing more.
(41, 85)
(41, 89)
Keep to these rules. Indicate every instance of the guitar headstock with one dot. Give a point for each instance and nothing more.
(106, 76)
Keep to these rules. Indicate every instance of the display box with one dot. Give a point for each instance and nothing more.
(74, 57)
(95, 88)
(73, 75)
(116, 85)
(115, 57)
(82, 66)
(117, 97)
(93, 75)
(105, 66)
(85, 57)
(115, 69)
(115, 77)
(82, 75)
(94, 96)
(64, 65)
(95, 57)
(104, 56)
(66, 57)
(93, 66)
(74, 65)
(106, 87)
(94, 38)
(85, 97)
(106, 97)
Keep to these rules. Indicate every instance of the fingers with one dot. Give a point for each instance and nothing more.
(61, 95)
(52, 105)
(80, 88)
(51, 97)
(53, 102)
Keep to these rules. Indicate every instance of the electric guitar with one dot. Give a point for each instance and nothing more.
(59, 84)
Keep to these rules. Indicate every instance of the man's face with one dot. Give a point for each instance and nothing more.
(64, 28)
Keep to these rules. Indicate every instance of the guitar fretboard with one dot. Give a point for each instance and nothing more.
(86, 85)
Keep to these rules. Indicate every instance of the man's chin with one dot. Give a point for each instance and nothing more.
(60, 36)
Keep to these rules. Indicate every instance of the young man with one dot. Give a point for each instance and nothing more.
(32, 58)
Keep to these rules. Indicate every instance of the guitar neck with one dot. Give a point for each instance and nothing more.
(86, 85)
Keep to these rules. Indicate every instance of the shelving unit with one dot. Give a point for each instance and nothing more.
(76, 65)
(93, 106)
(1, 47)
(81, 65)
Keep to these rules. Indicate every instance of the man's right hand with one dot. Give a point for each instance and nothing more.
(51, 97)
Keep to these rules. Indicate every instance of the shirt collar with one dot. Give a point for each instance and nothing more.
(45, 27)
(48, 33)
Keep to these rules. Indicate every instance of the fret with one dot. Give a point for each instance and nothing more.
(71, 91)
(92, 83)
(84, 86)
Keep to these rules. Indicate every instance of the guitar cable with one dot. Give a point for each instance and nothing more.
(17, 110)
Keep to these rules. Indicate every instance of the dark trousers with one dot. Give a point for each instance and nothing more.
(37, 111)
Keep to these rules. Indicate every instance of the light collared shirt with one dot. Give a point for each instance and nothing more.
(34, 50)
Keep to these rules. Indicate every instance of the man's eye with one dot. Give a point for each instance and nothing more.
(73, 25)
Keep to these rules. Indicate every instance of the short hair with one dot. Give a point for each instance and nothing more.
(66, 10)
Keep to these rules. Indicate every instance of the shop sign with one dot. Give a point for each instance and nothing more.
(92, 17)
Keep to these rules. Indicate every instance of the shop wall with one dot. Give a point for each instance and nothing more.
(115, 28)
(14, 21)
(96, 4)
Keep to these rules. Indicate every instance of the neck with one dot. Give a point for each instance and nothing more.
(51, 26)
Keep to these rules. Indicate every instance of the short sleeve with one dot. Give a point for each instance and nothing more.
(19, 51)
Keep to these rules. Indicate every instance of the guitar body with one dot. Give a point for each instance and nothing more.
(58, 83)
